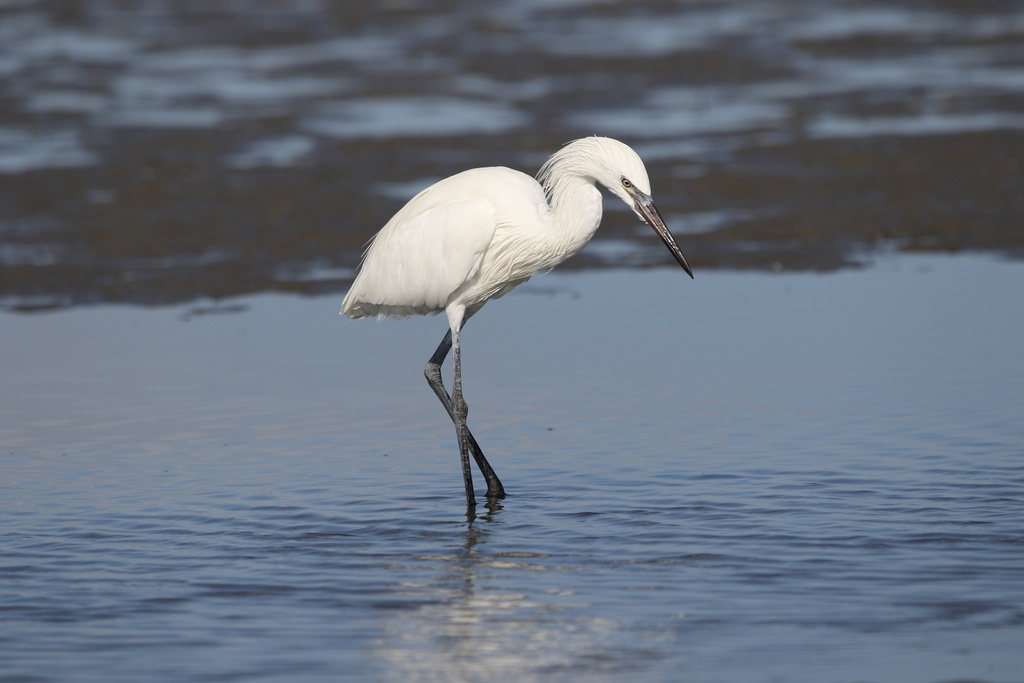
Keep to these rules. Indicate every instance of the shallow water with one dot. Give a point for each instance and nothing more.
(744, 477)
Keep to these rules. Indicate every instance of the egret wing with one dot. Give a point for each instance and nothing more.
(419, 259)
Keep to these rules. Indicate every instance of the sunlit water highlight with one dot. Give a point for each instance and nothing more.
(736, 478)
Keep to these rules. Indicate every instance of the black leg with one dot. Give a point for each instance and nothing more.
(460, 411)
(433, 374)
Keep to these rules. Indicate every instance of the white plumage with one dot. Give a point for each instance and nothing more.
(480, 233)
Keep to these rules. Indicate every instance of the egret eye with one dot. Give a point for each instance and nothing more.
(626, 183)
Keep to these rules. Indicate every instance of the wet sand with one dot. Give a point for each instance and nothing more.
(156, 155)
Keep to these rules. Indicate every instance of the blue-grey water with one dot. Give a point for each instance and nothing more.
(743, 477)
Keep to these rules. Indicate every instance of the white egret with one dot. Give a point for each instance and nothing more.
(477, 235)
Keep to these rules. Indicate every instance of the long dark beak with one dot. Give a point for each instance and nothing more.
(645, 207)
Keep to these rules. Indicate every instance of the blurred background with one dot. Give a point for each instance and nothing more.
(155, 152)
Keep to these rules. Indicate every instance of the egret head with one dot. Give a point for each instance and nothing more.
(618, 168)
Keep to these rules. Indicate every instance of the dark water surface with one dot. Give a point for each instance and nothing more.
(156, 152)
(745, 477)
